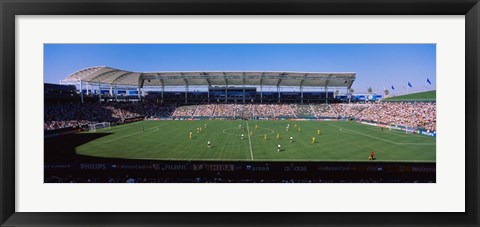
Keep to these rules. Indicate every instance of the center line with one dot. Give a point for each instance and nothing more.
(249, 141)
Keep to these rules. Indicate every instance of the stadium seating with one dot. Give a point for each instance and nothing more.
(76, 115)
(324, 111)
(349, 110)
(184, 111)
(303, 110)
(225, 110)
(205, 110)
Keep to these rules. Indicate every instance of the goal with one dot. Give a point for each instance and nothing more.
(94, 127)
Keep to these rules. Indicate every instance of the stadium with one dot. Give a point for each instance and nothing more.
(104, 124)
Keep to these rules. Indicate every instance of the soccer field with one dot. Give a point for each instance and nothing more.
(338, 141)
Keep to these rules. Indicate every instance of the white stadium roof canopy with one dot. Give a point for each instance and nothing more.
(112, 76)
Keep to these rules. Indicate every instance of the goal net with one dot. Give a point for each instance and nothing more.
(94, 127)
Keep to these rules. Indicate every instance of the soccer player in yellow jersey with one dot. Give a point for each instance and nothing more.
(318, 132)
(256, 126)
(278, 136)
(299, 129)
(313, 139)
(190, 135)
(265, 136)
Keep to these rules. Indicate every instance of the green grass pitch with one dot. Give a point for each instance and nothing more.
(420, 96)
(338, 141)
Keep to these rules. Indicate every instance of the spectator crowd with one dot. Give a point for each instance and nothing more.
(409, 114)
(77, 115)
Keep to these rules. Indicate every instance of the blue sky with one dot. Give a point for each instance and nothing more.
(376, 65)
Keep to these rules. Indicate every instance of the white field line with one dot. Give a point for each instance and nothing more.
(388, 141)
(148, 130)
(249, 141)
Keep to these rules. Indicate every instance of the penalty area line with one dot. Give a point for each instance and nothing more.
(249, 141)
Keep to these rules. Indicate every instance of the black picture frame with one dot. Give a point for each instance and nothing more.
(10, 8)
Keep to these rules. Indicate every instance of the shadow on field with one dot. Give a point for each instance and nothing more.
(62, 148)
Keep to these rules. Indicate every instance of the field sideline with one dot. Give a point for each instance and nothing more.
(339, 141)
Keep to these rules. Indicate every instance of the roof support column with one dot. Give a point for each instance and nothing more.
(261, 93)
(301, 87)
(326, 95)
(226, 91)
(163, 85)
(140, 85)
(163, 90)
(278, 90)
(139, 94)
(99, 93)
(301, 93)
(81, 91)
(86, 87)
(186, 90)
(208, 91)
(349, 96)
(261, 89)
(326, 88)
(111, 90)
(116, 93)
(243, 88)
(278, 87)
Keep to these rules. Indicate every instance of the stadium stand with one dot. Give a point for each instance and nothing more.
(226, 110)
(263, 110)
(244, 111)
(324, 111)
(207, 110)
(348, 110)
(77, 115)
(184, 111)
(305, 111)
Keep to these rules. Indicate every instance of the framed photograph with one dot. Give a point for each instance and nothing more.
(221, 125)
(239, 113)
